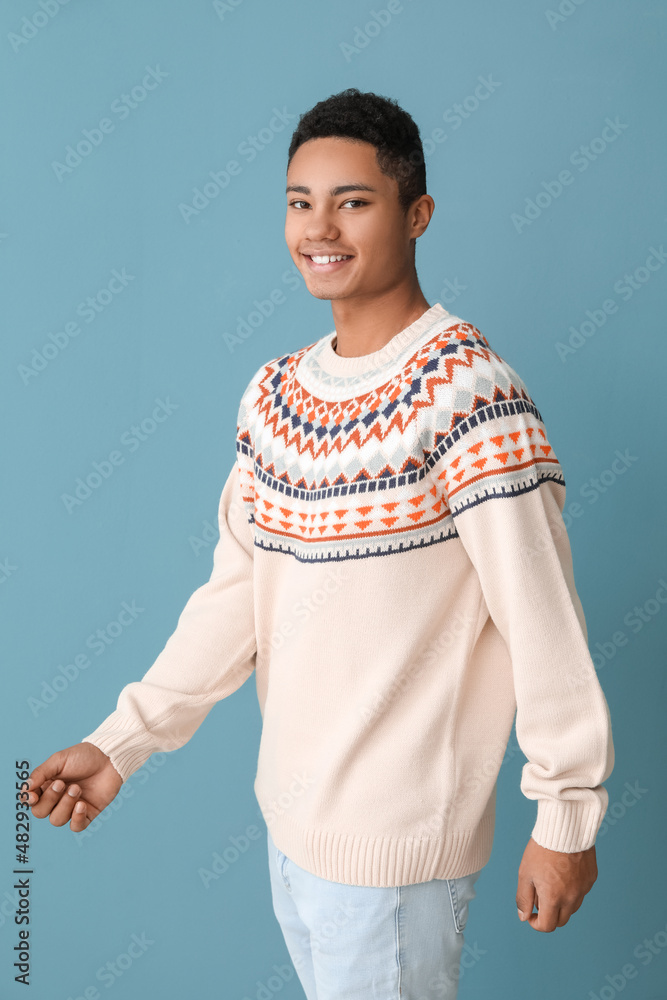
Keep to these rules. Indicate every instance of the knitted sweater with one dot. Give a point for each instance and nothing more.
(394, 568)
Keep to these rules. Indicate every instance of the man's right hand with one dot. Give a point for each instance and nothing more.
(74, 784)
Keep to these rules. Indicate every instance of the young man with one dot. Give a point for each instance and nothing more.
(394, 567)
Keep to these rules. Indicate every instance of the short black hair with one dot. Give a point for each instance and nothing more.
(378, 120)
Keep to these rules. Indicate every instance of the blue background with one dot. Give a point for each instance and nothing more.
(168, 334)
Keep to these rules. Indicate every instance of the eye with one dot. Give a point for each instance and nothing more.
(350, 201)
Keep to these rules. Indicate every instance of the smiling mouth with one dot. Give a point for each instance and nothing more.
(327, 262)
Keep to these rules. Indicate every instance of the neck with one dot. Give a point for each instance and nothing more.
(365, 324)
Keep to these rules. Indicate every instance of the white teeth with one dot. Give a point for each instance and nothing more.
(327, 259)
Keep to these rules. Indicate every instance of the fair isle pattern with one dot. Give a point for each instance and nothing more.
(388, 468)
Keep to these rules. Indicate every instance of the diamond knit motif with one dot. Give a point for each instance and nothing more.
(347, 467)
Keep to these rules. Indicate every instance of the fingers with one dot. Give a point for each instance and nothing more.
(62, 811)
(56, 800)
(80, 819)
(45, 772)
(36, 792)
(37, 801)
(62, 803)
(547, 918)
(526, 897)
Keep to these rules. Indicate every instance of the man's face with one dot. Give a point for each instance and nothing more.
(367, 225)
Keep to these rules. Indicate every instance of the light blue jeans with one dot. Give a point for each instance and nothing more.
(350, 942)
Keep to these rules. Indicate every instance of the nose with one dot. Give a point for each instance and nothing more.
(320, 225)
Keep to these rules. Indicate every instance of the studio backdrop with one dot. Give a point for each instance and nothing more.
(146, 278)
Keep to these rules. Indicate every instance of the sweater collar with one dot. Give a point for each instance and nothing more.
(334, 364)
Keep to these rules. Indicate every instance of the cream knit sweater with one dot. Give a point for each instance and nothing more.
(394, 568)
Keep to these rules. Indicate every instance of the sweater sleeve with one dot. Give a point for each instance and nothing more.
(210, 654)
(503, 491)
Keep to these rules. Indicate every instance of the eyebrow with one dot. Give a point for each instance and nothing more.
(341, 189)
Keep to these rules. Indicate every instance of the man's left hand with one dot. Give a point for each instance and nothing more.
(555, 883)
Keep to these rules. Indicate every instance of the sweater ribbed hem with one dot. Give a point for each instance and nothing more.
(569, 826)
(125, 745)
(385, 861)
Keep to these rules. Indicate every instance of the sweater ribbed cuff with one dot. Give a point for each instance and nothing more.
(126, 746)
(569, 825)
